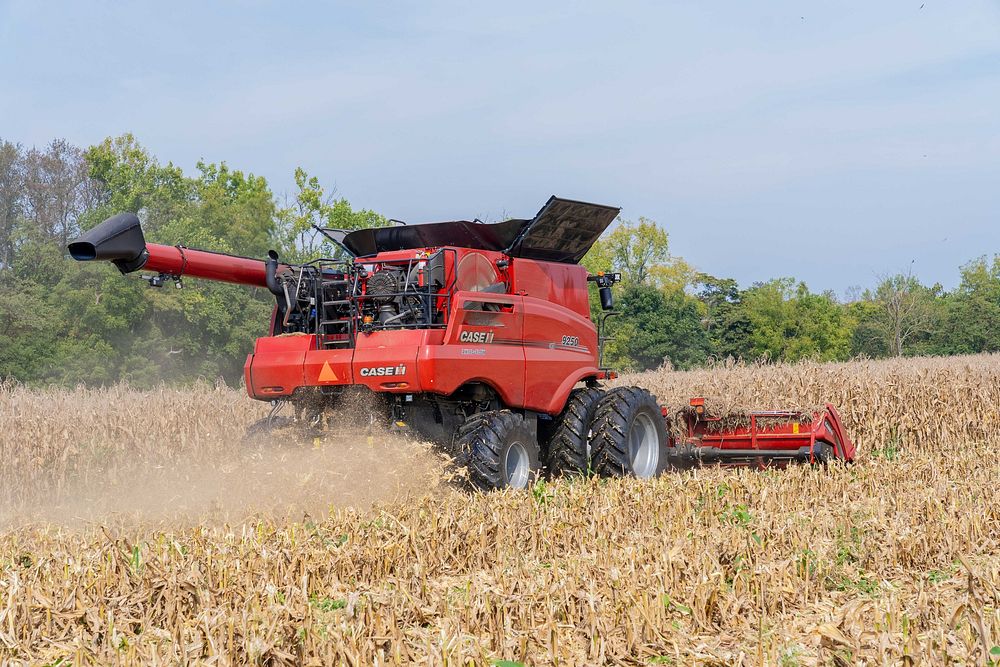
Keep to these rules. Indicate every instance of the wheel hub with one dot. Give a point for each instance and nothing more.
(643, 447)
(516, 466)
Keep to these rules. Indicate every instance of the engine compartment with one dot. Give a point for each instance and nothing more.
(336, 299)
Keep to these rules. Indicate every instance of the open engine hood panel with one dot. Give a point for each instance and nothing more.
(365, 242)
(562, 231)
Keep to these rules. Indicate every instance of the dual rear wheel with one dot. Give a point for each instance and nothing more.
(629, 435)
(613, 434)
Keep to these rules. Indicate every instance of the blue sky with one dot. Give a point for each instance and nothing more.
(828, 141)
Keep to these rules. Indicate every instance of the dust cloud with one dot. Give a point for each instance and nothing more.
(289, 474)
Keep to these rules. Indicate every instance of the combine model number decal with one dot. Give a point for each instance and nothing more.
(573, 341)
(476, 337)
(382, 371)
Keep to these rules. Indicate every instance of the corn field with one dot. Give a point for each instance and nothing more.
(358, 551)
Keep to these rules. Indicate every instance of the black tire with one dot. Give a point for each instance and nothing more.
(624, 414)
(824, 452)
(489, 440)
(568, 450)
(461, 446)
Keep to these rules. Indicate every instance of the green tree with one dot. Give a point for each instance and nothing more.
(789, 323)
(905, 311)
(131, 179)
(236, 210)
(725, 319)
(313, 207)
(867, 338)
(26, 332)
(657, 327)
(11, 198)
(971, 322)
(636, 250)
(637, 247)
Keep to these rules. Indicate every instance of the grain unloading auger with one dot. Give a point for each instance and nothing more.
(477, 336)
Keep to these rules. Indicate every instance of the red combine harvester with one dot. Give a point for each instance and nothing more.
(477, 336)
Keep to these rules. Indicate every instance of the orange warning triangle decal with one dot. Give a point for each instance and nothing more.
(327, 374)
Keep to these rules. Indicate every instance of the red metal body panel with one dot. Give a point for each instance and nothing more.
(324, 368)
(497, 361)
(560, 349)
(274, 369)
(564, 285)
(836, 425)
(394, 352)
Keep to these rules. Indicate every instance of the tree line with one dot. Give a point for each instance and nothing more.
(67, 322)
(672, 314)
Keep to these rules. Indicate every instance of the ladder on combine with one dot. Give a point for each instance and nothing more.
(335, 307)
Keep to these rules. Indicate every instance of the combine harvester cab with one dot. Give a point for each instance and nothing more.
(476, 336)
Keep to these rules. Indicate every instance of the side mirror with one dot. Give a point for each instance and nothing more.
(607, 298)
(604, 282)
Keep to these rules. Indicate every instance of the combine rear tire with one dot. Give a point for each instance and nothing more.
(569, 442)
(502, 451)
(629, 435)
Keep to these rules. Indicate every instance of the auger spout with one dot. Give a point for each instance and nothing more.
(120, 240)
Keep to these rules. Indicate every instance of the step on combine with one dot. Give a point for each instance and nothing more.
(476, 336)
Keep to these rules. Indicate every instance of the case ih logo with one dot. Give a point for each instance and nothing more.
(476, 337)
(382, 371)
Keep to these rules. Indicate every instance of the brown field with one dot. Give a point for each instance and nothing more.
(136, 528)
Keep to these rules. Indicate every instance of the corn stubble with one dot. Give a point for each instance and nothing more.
(894, 560)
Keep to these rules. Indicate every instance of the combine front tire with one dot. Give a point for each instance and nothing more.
(502, 451)
(629, 435)
(569, 442)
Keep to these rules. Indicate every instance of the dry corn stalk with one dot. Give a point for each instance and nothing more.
(895, 559)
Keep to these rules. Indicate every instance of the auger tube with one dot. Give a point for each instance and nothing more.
(120, 240)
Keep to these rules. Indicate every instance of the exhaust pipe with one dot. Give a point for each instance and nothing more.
(274, 285)
(271, 274)
(118, 239)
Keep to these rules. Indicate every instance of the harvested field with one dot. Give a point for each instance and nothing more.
(894, 560)
(916, 404)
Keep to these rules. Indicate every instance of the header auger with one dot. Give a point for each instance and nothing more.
(477, 336)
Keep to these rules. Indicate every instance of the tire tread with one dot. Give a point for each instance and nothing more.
(481, 440)
(567, 446)
(609, 449)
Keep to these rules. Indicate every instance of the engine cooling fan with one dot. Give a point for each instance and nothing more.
(382, 286)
